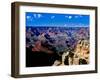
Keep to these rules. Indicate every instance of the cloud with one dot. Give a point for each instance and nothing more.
(34, 15)
(39, 15)
(76, 16)
(70, 17)
(52, 17)
(28, 17)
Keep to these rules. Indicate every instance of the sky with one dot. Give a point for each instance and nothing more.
(34, 19)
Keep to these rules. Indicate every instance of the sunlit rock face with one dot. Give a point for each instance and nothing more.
(77, 57)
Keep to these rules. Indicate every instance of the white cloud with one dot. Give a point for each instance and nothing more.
(70, 17)
(39, 15)
(52, 17)
(76, 16)
(35, 16)
(28, 17)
